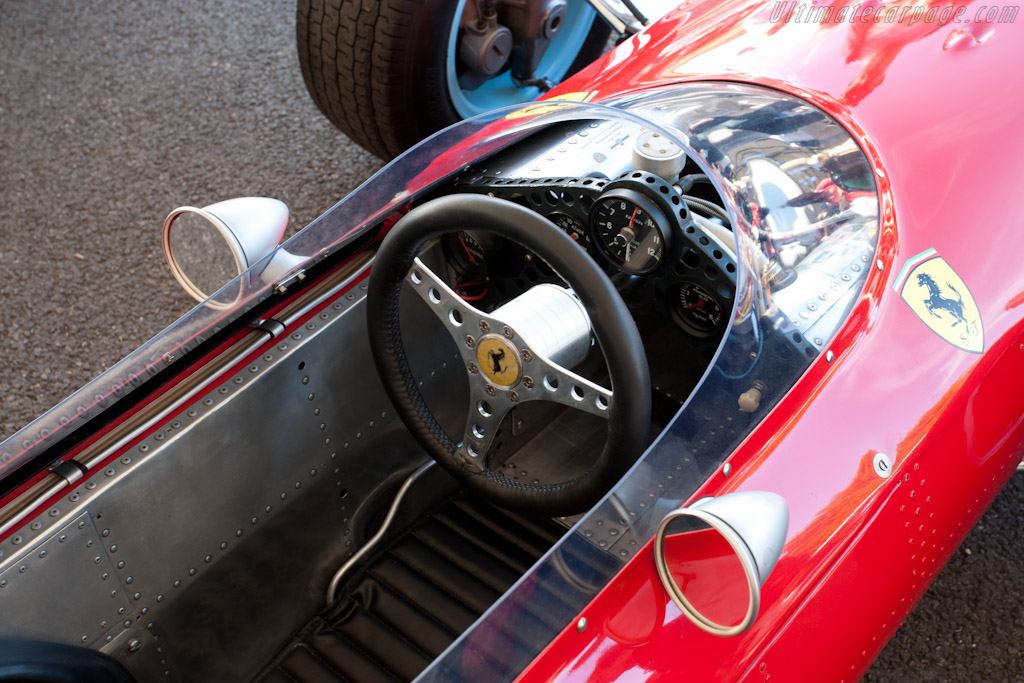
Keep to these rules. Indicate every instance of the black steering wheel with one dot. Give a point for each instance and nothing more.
(521, 351)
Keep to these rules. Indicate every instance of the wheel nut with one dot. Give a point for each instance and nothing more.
(470, 341)
(472, 367)
(507, 331)
(484, 326)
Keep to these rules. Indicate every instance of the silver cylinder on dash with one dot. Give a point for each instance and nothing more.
(552, 321)
(657, 154)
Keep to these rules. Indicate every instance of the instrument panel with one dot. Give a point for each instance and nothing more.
(635, 223)
(637, 226)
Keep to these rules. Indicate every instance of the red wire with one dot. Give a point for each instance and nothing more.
(475, 297)
(472, 283)
(469, 283)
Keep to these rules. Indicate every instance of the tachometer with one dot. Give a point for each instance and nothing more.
(632, 231)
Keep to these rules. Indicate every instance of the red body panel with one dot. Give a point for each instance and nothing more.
(938, 111)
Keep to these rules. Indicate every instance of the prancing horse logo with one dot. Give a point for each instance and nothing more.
(496, 357)
(936, 300)
(955, 318)
(498, 361)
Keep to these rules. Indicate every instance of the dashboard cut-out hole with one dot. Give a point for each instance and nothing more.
(601, 402)
(435, 296)
(416, 277)
(455, 315)
(484, 408)
(550, 382)
(576, 392)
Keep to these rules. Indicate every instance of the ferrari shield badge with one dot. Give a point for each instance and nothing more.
(549, 105)
(941, 300)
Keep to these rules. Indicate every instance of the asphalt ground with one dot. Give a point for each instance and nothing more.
(113, 113)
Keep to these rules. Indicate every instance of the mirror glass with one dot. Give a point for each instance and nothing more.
(706, 570)
(201, 254)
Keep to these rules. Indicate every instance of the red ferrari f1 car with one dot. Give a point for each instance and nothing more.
(696, 369)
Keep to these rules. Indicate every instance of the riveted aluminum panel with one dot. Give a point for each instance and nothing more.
(38, 599)
(288, 454)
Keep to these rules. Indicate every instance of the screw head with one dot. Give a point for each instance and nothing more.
(507, 331)
(514, 396)
(490, 390)
(528, 382)
(527, 356)
(134, 645)
(485, 326)
(470, 342)
(882, 465)
(472, 368)
(581, 625)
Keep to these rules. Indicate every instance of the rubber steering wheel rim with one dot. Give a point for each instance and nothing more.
(630, 411)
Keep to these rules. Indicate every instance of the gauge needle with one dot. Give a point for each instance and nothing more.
(699, 304)
(633, 217)
(468, 252)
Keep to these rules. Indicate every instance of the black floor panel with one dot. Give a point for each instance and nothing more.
(409, 603)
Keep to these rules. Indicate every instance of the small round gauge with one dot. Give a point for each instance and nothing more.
(696, 309)
(631, 230)
(467, 253)
(571, 226)
(477, 255)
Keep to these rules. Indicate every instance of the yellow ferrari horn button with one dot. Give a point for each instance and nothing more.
(498, 360)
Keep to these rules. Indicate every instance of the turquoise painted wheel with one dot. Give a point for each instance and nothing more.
(388, 74)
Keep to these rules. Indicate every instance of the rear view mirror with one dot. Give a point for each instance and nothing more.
(207, 248)
(713, 557)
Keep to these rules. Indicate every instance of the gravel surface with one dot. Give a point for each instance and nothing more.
(113, 113)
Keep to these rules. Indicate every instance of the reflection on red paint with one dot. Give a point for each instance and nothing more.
(709, 574)
(643, 610)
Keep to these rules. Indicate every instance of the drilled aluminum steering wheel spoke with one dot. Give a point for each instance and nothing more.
(462, 320)
(547, 381)
(485, 415)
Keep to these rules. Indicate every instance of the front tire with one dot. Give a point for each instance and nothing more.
(382, 71)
